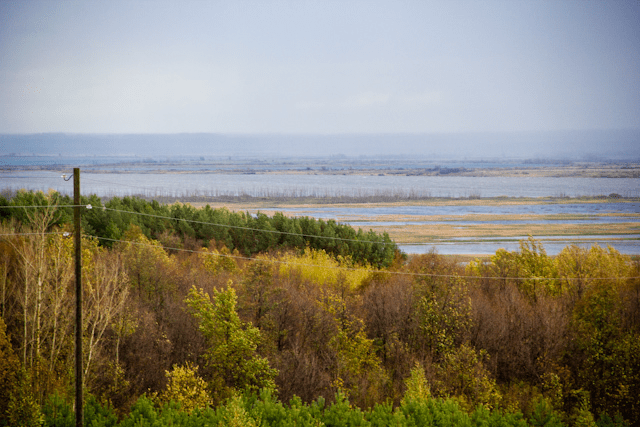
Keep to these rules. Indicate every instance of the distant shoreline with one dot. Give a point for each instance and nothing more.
(322, 167)
(243, 203)
(577, 171)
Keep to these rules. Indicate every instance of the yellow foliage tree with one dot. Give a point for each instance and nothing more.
(232, 357)
(464, 376)
(145, 262)
(319, 267)
(358, 371)
(418, 389)
(532, 270)
(215, 261)
(186, 388)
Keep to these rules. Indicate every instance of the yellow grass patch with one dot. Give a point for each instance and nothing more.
(421, 233)
(413, 232)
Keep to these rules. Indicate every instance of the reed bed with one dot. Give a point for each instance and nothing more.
(421, 233)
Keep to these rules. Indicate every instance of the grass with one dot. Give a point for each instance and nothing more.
(421, 233)
(465, 259)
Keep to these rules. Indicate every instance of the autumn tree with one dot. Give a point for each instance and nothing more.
(39, 288)
(441, 314)
(9, 368)
(388, 312)
(357, 371)
(145, 263)
(232, 358)
(185, 388)
(606, 349)
(529, 268)
(106, 291)
(18, 406)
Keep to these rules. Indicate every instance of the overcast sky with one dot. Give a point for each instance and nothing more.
(318, 66)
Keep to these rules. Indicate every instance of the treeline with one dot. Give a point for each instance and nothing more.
(241, 231)
(290, 337)
(296, 196)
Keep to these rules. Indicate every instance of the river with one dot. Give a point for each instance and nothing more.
(264, 185)
(184, 184)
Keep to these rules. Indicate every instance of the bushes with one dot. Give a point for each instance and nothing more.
(57, 412)
(263, 409)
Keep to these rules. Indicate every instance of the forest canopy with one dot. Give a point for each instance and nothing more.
(249, 234)
(211, 317)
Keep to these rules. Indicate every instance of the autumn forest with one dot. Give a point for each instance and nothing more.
(201, 316)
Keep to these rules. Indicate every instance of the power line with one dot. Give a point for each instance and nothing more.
(275, 261)
(306, 235)
(64, 233)
(258, 229)
(48, 206)
(247, 228)
(22, 177)
(208, 223)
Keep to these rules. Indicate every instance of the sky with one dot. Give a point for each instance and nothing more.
(327, 67)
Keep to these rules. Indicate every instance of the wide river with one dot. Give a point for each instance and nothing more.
(184, 184)
(212, 184)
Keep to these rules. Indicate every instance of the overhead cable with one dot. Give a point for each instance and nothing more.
(401, 273)
(247, 228)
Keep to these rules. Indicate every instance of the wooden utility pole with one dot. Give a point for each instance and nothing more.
(78, 255)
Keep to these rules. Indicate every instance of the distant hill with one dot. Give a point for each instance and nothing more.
(570, 145)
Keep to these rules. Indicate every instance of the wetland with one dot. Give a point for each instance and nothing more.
(454, 207)
(481, 226)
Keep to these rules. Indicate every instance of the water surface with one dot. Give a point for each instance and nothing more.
(266, 185)
(308, 185)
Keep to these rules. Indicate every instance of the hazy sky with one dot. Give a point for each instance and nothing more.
(318, 66)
